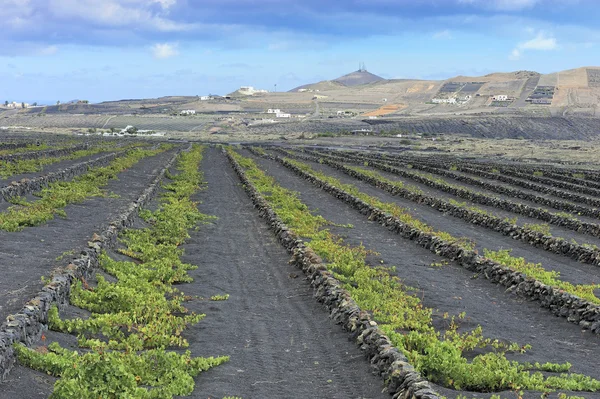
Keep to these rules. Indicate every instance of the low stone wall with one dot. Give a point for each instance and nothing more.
(563, 175)
(592, 229)
(28, 325)
(42, 154)
(575, 309)
(551, 244)
(441, 167)
(12, 146)
(563, 183)
(401, 378)
(528, 185)
(26, 186)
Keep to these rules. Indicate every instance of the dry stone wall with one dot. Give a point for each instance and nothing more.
(551, 244)
(28, 325)
(401, 378)
(560, 303)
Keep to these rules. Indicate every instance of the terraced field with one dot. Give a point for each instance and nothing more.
(154, 270)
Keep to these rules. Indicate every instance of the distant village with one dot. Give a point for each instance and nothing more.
(17, 105)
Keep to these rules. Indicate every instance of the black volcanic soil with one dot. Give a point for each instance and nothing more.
(27, 255)
(570, 269)
(453, 289)
(50, 168)
(480, 126)
(281, 342)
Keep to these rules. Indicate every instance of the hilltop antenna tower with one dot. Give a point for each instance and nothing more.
(362, 67)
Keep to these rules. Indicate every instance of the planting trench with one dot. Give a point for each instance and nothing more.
(453, 289)
(515, 198)
(27, 179)
(570, 269)
(556, 231)
(55, 167)
(280, 341)
(27, 255)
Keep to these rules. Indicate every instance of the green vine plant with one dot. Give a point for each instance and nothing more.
(441, 356)
(136, 319)
(62, 193)
(535, 271)
(11, 168)
(401, 213)
(438, 180)
(29, 148)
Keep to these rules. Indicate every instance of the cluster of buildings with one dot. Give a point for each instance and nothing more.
(452, 100)
(14, 105)
(188, 112)
(278, 113)
(250, 90)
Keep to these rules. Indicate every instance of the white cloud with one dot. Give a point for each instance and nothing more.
(49, 50)
(165, 4)
(443, 34)
(541, 42)
(502, 5)
(515, 54)
(164, 50)
(119, 13)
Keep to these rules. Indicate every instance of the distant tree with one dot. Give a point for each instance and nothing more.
(22, 105)
(112, 130)
(6, 103)
(58, 103)
(34, 104)
(132, 130)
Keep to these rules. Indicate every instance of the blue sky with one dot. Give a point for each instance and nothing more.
(113, 49)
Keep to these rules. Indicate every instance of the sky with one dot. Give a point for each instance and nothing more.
(101, 50)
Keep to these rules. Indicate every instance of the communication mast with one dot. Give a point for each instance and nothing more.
(362, 67)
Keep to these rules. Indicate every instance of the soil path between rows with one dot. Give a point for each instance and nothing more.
(55, 167)
(281, 342)
(556, 231)
(471, 187)
(27, 255)
(570, 270)
(453, 289)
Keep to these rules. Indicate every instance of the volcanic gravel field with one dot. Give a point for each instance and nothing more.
(282, 341)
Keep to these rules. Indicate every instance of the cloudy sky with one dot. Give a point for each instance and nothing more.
(112, 49)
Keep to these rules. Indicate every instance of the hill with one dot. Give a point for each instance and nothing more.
(569, 92)
(356, 78)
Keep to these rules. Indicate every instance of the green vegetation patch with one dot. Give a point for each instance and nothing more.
(137, 318)
(11, 168)
(60, 194)
(441, 356)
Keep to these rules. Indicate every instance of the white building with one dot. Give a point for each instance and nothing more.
(273, 111)
(500, 97)
(15, 104)
(205, 98)
(444, 100)
(250, 90)
(188, 112)
(283, 115)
